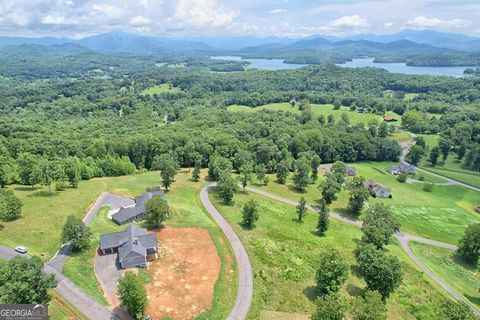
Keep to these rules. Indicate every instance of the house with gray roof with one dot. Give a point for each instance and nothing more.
(377, 190)
(349, 171)
(137, 212)
(402, 167)
(134, 246)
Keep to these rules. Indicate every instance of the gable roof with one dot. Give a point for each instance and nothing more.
(127, 213)
(374, 186)
(117, 239)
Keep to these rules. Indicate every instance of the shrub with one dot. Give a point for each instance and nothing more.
(60, 186)
(428, 187)
(402, 177)
(421, 178)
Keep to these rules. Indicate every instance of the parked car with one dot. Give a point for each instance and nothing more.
(21, 249)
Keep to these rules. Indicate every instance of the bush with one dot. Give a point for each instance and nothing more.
(421, 178)
(60, 186)
(428, 187)
(402, 177)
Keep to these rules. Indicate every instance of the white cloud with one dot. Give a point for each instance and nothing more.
(54, 19)
(277, 11)
(387, 25)
(350, 22)
(139, 21)
(424, 22)
(202, 13)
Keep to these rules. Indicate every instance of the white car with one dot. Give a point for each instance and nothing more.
(21, 249)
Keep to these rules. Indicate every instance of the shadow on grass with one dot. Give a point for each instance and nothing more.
(355, 270)
(474, 300)
(295, 189)
(463, 263)
(24, 189)
(44, 194)
(355, 291)
(311, 293)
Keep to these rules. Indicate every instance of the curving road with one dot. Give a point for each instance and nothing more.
(403, 238)
(245, 275)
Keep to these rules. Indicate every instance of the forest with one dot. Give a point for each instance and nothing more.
(86, 115)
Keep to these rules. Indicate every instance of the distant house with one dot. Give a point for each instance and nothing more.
(477, 209)
(402, 167)
(389, 119)
(377, 190)
(350, 171)
(137, 212)
(134, 246)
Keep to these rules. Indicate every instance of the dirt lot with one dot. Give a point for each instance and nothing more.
(184, 276)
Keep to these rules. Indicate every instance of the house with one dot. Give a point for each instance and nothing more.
(377, 190)
(137, 212)
(477, 209)
(349, 171)
(402, 167)
(389, 119)
(134, 246)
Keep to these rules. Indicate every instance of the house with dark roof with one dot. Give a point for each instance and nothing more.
(137, 212)
(349, 171)
(134, 246)
(402, 167)
(377, 190)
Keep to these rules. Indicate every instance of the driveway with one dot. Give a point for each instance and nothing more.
(108, 273)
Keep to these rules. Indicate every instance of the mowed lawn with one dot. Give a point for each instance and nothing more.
(442, 214)
(452, 167)
(285, 254)
(317, 109)
(461, 276)
(187, 211)
(162, 88)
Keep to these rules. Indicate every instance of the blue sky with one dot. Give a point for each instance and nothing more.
(291, 18)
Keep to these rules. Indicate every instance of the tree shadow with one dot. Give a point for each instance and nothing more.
(472, 299)
(25, 189)
(43, 194)
(355, 291)
(245, 228)
(355, 270)
(315, 233)
(311, 293)
(463, 263)
(295, 189)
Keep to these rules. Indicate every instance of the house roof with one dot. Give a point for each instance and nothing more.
(374, 186)
(127, 213)
(117, 239)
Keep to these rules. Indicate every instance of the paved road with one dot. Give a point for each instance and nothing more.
(105, 199)
(245, 275)
(403, 238)
(69, 291)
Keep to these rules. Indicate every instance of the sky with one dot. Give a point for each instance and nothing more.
(286, 18)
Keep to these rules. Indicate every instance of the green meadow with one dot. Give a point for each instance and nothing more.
(162, 88)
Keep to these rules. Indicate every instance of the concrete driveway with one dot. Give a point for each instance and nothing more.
(108, 273)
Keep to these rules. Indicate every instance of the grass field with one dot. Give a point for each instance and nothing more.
(44, 214)
(284, 257)
(441, 215)
(317, 109)
(463, 277)
(162, 88)
(452, 167)
(59, 309)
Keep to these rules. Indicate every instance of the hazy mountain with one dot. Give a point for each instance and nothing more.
(239, 42)
(44, 41)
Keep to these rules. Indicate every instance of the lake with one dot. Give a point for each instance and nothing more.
(403, 68)
(268, 64)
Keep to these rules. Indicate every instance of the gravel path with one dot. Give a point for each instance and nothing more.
(403, 238)
(245, 275)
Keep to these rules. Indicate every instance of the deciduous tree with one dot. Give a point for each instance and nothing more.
(10, 205)
(227, 186)
(249, 214)
(283, 170)
(329, 188)
(157, 210)
(369, 307)
(301, 177)
(330, 307)
(358, 195)
(469, 246)
(323, 218)
(332, 272)
(301, 209)
(76, 233)
(132, 294)
(379, 225)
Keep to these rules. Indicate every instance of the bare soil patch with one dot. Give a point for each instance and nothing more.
(184, 276)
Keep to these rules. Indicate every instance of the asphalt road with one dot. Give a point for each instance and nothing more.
(69, 291)
(245, 275)
(403, 238)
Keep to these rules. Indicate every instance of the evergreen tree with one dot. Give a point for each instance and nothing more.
(301, 209)
(323, 218)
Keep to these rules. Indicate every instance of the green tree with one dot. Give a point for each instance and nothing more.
(383, 130)
(71, 167)
(330, 307)
(249, 214)
(168, 166)
(76, 233)
(379, 225)
(196, 171)
(217, 165)
(381, 272)
(227, 186)
(22, 281)
(331, 119)
(340, 171)
(283, 170)
(332, 272)
(369, 307)
(157, 210)
(451, 310)
(10, 205)
(323, 218)
(469, 246)
(132, 294)
(261, 173)
(28, 170)
(315, 162)
(329, 188)
(245, 175)
(444, 146)
(46, 172)
(434, 154)
(415, 154)
(301, 177)
(402, 177)
(301, 209)
(358, 195)
(420, 141)
(321, 119)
